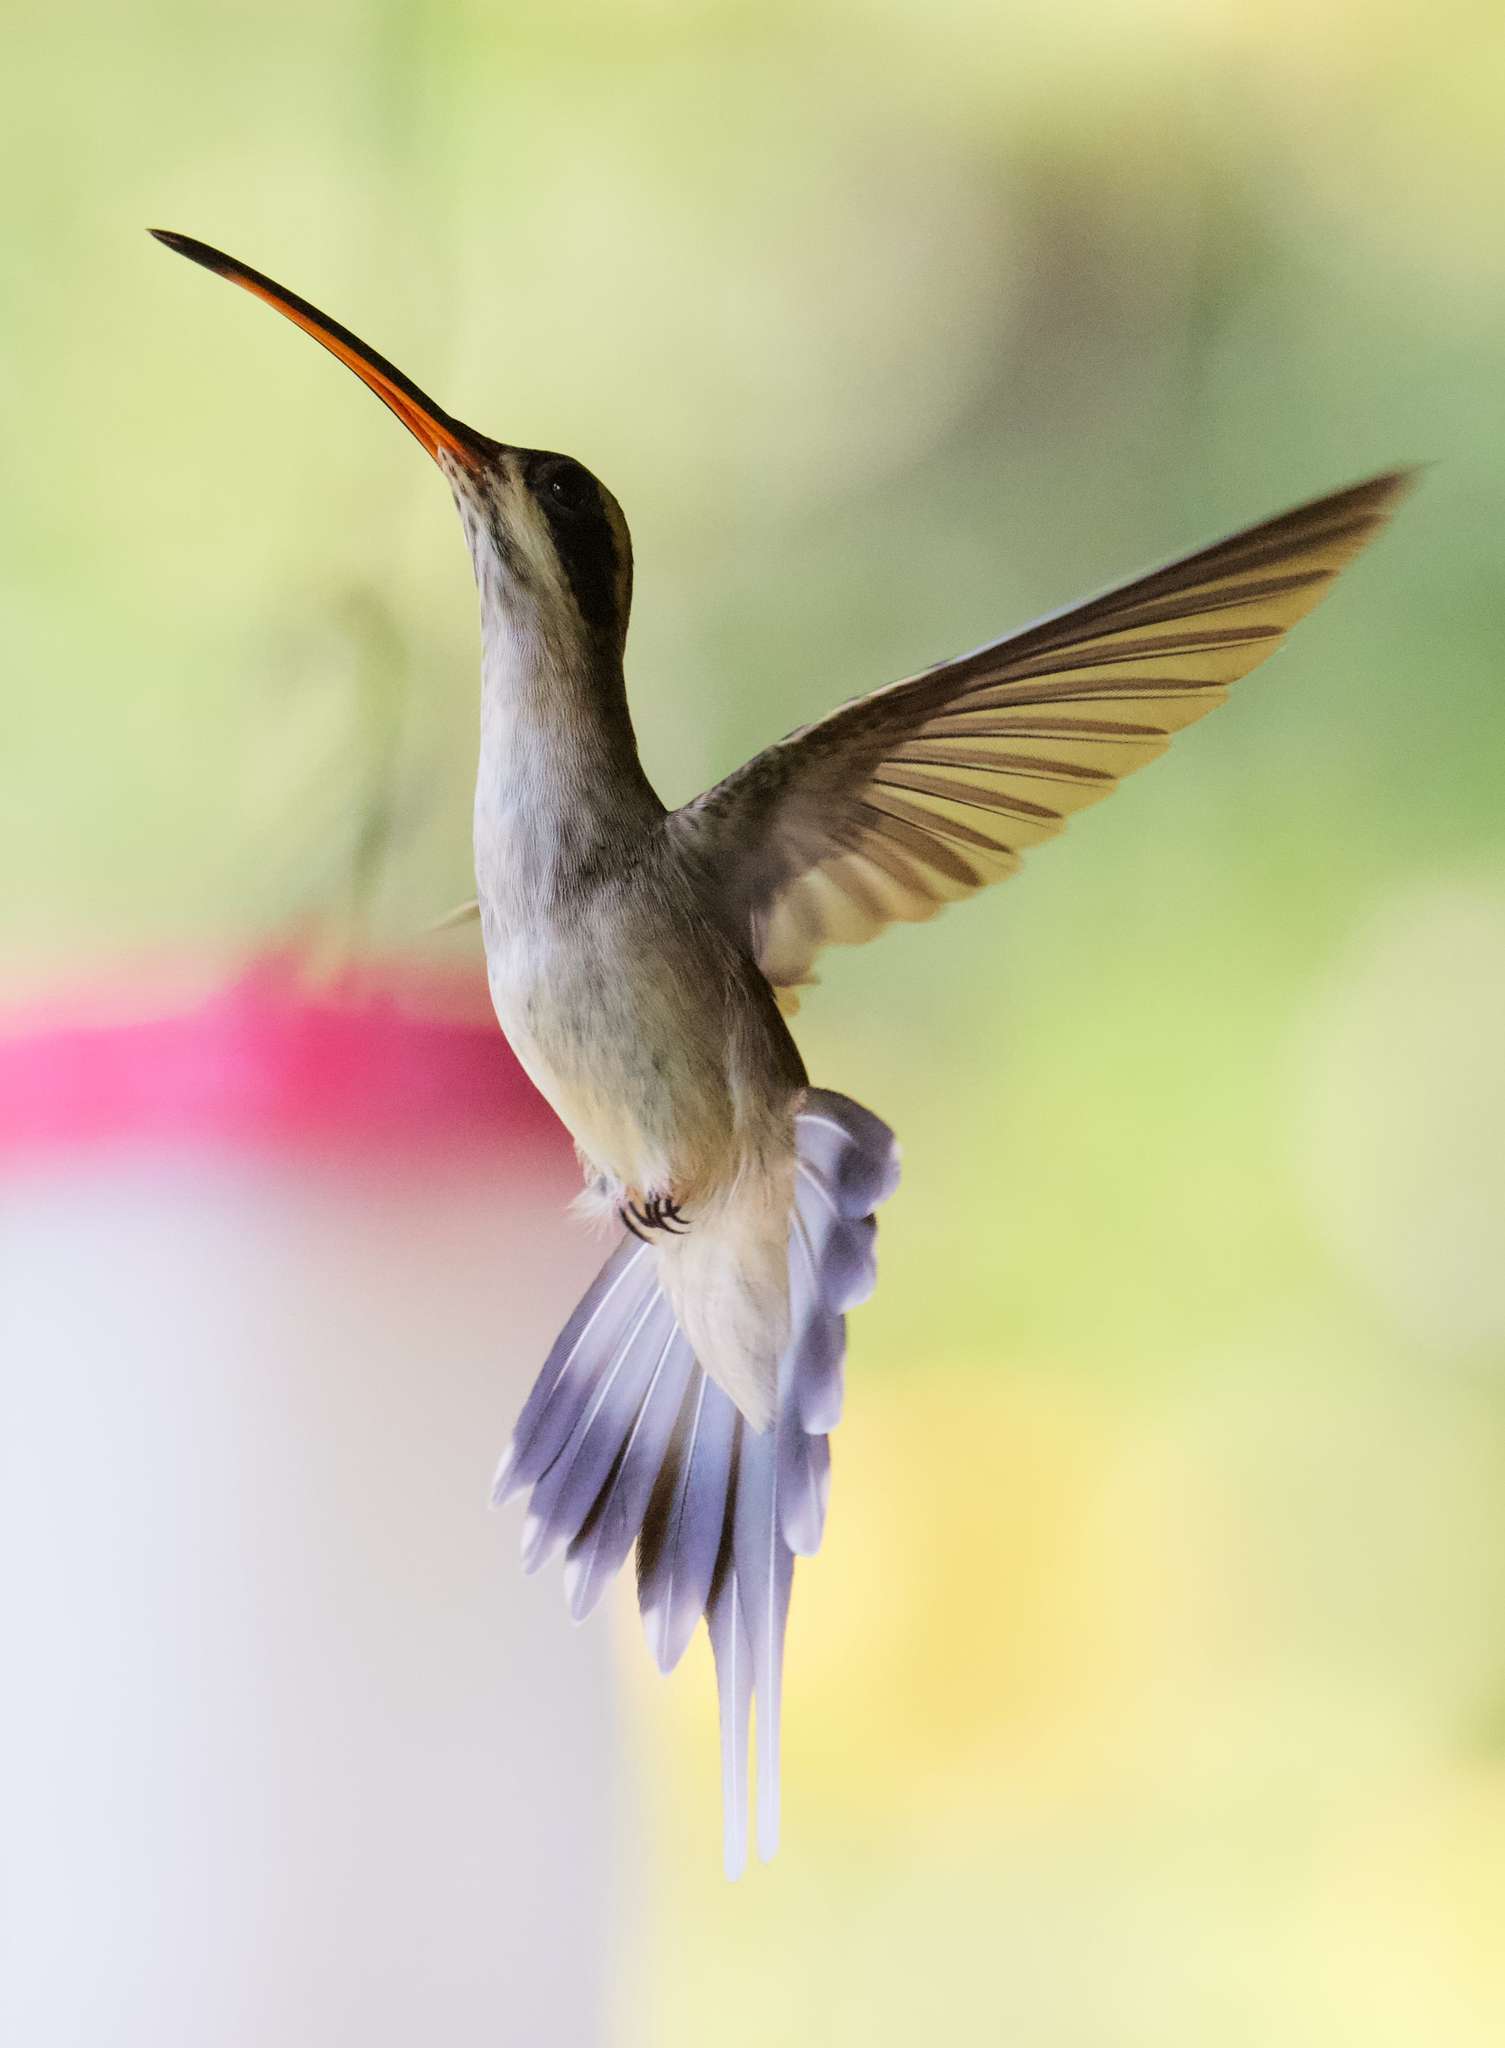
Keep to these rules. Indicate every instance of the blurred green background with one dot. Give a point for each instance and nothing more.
(1152, 1686)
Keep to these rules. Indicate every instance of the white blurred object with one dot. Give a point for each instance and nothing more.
(293, 1754)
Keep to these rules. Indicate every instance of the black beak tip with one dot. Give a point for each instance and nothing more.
(185, 245)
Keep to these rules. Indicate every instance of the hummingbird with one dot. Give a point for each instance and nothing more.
(644, 963)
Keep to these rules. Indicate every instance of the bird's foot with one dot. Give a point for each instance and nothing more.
(659, 1212)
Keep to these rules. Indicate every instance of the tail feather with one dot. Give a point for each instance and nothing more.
(818, 1349)
(598, 1552)
(764, 1568)
(686, 1520)
(550, 1412)
(624, 1438)
(851, 1150)
(818, 1339)
(726, 1621)
(570, 1488)
(804, 1476)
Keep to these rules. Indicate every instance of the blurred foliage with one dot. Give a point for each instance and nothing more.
(1153, 1687)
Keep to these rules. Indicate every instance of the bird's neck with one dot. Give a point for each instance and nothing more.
(561, 797)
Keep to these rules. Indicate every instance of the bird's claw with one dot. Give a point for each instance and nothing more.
(659, 1212)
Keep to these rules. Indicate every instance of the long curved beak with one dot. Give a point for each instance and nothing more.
(423, 419)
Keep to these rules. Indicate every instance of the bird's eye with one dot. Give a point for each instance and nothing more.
(568, 487)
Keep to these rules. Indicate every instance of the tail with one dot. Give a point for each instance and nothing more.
(624, 1439)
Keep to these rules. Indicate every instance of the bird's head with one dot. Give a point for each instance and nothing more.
(551, 549)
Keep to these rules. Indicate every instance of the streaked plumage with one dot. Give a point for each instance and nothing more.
(641, 960)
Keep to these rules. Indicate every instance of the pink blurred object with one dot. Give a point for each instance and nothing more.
(272, 1060)
(292, 1752)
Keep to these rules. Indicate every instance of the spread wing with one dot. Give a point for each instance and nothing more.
(902, 801)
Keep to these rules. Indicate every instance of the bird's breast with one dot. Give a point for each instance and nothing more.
(570, 993)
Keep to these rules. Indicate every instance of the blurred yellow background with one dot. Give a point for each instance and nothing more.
(1151, 1687)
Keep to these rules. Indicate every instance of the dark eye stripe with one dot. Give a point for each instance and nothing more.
(584, 539)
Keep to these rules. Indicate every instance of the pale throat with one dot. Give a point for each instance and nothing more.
(559, 786)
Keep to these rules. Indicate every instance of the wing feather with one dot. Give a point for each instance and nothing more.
(932, 787)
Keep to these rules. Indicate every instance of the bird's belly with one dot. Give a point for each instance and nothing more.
(591, 1043)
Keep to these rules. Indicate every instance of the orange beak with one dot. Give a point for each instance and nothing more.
(418, 413)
